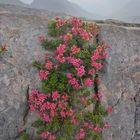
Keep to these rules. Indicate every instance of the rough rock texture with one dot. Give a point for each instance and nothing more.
(121, 82)
(121, 79)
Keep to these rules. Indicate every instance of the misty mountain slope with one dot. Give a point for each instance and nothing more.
(61, 6)
(130, 12)
(13, 2)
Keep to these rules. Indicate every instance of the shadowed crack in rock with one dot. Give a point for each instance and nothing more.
(136, 131)
(25, 117)
(118, 101)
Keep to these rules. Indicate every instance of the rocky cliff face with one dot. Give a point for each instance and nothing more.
(19, 27)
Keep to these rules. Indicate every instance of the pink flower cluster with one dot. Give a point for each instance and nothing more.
(81, 134)
(77, 29)
(80, 71)
(50, 105)
(75, 49)
(88, 82)
(76, 22)
(91, 72)
(75, 62)
(43, 75)
(95, 55)
(109, 109)
(96, 65)
(60, 53)
(67, 37)
(60, 22)
(73, 81)
(95, 128)
(61, 49)
(83, 33)
(49, 65)
(47, 136)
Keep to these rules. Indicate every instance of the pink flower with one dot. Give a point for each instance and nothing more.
(43, 75)
(91, 72)
(60, 58)
(98, 66)
(60, 22)
(47, 136)
(65, 97)
(77, 86)
(53, 113)
(60, 105)
(70, 112)
(80, 71)
(74, 62)
(109, 109)
(75, 49)
(88, 82)
(69, 75)
(55, 95)
(50, 105)
(44, 135)
(99, 95)
(41, 38)
(74, 121)
(80, 135)
(76, 22)
(104, 54)
(63, 114)
(61, 49)
(73, 81)
(46, 118)
(86, 36)
(67, 37)
(52, 137)
(95, 56)
(74, 31)
(49, 65)
(32, 108)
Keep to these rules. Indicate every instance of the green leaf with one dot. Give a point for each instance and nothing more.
(37, 65)
(24, 136)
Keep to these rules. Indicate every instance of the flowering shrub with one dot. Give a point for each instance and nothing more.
(70, 83)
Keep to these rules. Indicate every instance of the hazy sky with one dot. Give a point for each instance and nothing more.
(101, 7)
(27, 1)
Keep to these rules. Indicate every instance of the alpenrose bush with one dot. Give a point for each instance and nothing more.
(70, 83)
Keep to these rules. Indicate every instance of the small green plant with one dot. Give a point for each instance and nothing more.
(3, 49)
